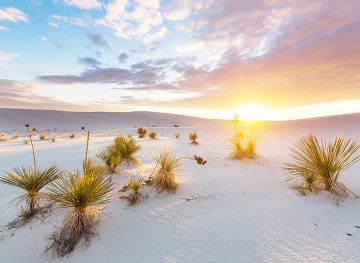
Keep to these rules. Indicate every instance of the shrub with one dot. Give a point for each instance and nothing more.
(53, 139)
(111, 157)
(42, 137)
(177, 135)
(164, 177)
(193, 136)
(72, 136)
(3, 138)
(15, 137)
(152, 135)
(32, 180)
(83, 196)
(243, 146)
(134, 186)
(26, 141)
(129, 135)
(316, 165)
(141, 132)
(127, 147)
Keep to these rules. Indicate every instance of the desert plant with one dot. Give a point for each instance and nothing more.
(192, 137)
(32, 180)
(129, 135)
(164, 175)
(126, 148)
(141, 132)
(53, 139)
(134, 186)
(42, 137)
(177, 135)
(26, 141)
(318, 164)
(14, 137)
(72, 136)
(152, 135)
(3, 138)
(111, 157)
(243, 146)
(84, 195)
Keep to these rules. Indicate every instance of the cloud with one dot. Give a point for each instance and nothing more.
(97, 40)
(13, 15)
(53, 24)
(43, 38)
(123, 57)
(6, 58)
(133, 19)
(84, 4)
(67, 20)
(190, 47)
(3, 28)
(89, 62)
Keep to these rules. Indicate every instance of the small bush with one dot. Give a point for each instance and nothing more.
(26, 141)
(152, 135)
(111, 157)
(141, 132)
(134, 186)
(316, 165)
(129, 136)
(15, 137)
(42, 137)
(53, 139)
(176, 125)
(243, 146)
(3, 138)
(177, 135)
(193, 136)
(127, 148)
(72, 136)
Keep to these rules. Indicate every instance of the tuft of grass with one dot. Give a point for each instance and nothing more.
(127, 147)
(26, 141)
(53, 139)
(84, 196)
(42, 137)
(152, 135)
(177, 135)
(164, 177)
(72, 136)
(141, 132)
(134, 186)
(14, 137)
(192, 137)
(3, 138)
(243, 146)
(316, 165)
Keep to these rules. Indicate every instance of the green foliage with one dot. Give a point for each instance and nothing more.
(141, 132)
(318, 164)
(32, 182)
(192, 137)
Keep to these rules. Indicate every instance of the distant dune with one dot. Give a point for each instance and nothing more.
(15, 119)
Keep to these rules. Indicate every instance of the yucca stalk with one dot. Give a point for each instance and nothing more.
(236, 122)
(324, 162)
(32, 180)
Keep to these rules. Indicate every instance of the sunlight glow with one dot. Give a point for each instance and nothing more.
(253, 112)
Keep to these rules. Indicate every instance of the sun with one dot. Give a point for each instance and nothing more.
(252, 112)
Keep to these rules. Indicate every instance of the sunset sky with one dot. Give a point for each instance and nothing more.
(271, 59)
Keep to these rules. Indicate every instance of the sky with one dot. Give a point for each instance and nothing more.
(264, 59)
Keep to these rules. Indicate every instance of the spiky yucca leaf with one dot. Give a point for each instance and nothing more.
(126, 148)
(324, 160)
(164, 177)
(32, 182)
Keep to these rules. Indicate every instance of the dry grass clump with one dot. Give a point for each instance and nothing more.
(14, 137)
(84, 195)
(177, 135)
(243, 146)
(32, 180)
(164, 176)
(316, 165)
(192, 137)
(3, 138)
(129, 136)
(133, 186)
(152, 135)
(72, 136)
(121, 151)
(53, 139)
(42, 137)
(26, 141)
(141, 132)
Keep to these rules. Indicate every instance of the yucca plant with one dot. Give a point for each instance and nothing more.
(72, 136)
(177, 135)
(243, 146)
(84, 194)
(32, 180)
(163, 176)
(318, 164)
(152, 135)
(192, 137)
(42, 137)
(141, 132)
(26, 141)
(53, 139)
(126, 148)
(14, 137)
(111, 157)
(134, 186)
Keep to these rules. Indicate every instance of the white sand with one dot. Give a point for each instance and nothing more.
(242, 211)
